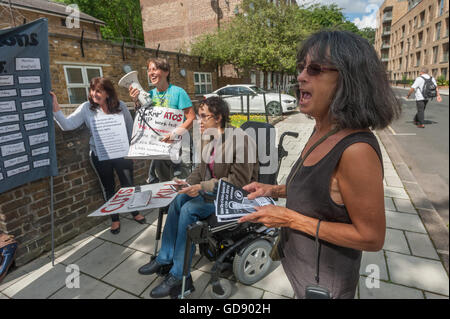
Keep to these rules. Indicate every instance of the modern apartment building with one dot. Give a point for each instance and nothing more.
(412, 34)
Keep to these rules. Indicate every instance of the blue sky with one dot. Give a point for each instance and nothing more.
(361, 12)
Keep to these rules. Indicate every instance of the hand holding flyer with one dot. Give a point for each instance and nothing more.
(232, 202)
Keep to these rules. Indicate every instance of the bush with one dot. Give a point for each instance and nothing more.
(441, 81)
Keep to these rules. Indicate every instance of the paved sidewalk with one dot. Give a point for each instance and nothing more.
(408, 266)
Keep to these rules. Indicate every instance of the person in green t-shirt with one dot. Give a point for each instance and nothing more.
(166, 95)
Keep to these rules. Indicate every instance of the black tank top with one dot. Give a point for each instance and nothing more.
(309, 194)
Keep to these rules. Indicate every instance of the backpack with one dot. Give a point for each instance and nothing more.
(429, 88)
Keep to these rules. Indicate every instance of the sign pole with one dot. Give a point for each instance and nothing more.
(52, 220)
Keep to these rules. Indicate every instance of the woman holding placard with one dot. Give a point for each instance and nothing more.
(168, 95)
(103, 103)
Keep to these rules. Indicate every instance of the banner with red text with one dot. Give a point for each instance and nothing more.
(162, 196)
(150, 125)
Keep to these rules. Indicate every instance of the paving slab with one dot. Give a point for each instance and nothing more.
(393, 181)
(128, 229)
(387, 291)
(389, 204)
(2, 296)
(12, 277)
(369, 259)
(404, 221)
(396, 241)
(40, 284)
(126, 275)
(276, 282)
(71, 254)
(429, 295)
(416, 272)
(397, 192)
(404, 206)
(421, 245)
(119, 294)
(144, 241)
(90, 288)
(103, 259)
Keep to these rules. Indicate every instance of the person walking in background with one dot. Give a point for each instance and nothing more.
(337, 183)
(423, 86)
(168, 95)
(102, 100)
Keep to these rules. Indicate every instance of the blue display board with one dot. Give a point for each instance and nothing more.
(27, 134)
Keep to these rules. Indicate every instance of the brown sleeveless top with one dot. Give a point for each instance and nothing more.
(309, 194)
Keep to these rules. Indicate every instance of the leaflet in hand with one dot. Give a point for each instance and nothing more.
(232, 202)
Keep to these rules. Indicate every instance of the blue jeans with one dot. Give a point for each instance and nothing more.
(183, 211)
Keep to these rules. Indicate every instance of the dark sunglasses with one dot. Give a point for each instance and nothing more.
(313, 68)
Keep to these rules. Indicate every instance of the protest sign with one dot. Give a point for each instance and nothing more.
(110, 136)
(27, 138)
(162, 196)
(150, 125)
(232, 202)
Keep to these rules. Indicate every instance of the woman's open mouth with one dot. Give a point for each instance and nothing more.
(305, 97)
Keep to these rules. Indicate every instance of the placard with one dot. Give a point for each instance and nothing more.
(162, 196)
(149, 127)
(27, 136)
(110, 136)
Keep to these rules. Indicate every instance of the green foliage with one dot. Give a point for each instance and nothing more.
(441, 81)
(122, 17)
(267, 36)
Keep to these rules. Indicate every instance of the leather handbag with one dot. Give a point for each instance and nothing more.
(8, 250)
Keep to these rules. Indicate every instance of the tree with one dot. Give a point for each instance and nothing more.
(122, 17)
(266, 36)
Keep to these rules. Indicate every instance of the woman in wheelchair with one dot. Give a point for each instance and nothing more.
(227, 153)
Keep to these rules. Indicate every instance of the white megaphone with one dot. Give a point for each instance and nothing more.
(132, 79)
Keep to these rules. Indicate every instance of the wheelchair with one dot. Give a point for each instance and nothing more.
(243, 248)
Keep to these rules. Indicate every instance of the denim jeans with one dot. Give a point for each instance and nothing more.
(183, 211)
(420, 115)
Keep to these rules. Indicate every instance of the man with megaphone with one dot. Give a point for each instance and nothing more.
(165, 94)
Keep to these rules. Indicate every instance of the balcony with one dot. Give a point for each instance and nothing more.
(387, 17)
(385, 46)
(386, 33)
(384, 59)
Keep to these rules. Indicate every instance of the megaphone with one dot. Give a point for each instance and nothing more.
(132, 79)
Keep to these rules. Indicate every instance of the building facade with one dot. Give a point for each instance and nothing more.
(173, 25)
(413, 34)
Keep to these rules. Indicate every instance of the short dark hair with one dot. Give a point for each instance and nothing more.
(161, 64)
(217, 106)
(112, 101)
(363, 97)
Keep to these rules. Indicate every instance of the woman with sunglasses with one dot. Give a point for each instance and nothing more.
(103, 101)
(336, 193)
(221, 142)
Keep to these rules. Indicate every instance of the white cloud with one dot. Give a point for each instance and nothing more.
(368, 21)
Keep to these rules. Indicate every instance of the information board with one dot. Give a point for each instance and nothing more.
(27, 136)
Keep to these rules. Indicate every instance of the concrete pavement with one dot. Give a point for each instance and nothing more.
(408, 266)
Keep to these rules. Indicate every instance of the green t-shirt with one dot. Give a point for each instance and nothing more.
(174, 97)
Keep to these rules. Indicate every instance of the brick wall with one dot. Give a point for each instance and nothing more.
(66, 50)
(25, 210)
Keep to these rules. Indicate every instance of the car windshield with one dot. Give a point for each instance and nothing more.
(257, 89)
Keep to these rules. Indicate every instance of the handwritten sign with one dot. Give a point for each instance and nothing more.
(148, 129)
(162, 196)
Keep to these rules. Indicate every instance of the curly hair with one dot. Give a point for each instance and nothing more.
(363, 97)
(217, 106)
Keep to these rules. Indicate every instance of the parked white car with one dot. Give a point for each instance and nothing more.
(236, 97)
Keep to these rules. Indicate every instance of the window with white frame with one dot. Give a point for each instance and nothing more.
(77, 80)
(202, 82)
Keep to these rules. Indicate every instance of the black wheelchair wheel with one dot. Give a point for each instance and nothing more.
(254, 263)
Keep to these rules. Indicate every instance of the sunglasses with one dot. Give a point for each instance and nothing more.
(313, 68)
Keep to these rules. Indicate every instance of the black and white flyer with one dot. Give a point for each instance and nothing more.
(27, 137)
(232, 202)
